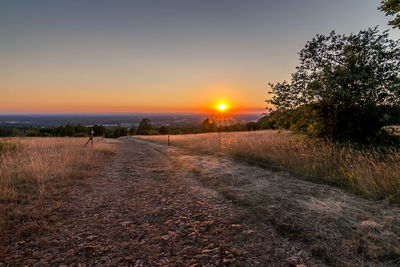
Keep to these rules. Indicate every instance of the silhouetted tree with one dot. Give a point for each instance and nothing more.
(163, 130)
(81, 130)
(238, 127)
(67, 130)
(99, 130)
(3, 132)
(118, 132)
(208, 125)
(252, 126)
(32, 132)
(144, 127)
(391, 8)
(343, 86)
(132, 131)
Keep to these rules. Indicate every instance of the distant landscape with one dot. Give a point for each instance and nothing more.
(113, 120)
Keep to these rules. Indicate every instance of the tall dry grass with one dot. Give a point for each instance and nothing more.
(371, 172)
(31, 169)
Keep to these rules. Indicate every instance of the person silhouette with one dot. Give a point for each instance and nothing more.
(91, 133)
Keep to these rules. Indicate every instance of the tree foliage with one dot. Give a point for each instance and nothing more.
(132, 131)
(391, 8)
(120, 131)
(163, 130)
(144, 127)
(208, 125)
(341, 82)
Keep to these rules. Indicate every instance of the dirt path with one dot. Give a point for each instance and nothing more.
(146, 211)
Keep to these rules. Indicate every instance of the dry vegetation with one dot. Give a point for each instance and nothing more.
(372, 173)
(32, 170)
(342, 229)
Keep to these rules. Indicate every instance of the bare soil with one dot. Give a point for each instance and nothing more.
(151, 207)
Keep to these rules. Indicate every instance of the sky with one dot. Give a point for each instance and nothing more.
(160, 56)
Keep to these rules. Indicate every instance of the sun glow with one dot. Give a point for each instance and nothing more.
(222, 107)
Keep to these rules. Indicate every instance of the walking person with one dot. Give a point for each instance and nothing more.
(91, 133)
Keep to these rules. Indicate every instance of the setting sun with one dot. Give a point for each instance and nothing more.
(222, 106)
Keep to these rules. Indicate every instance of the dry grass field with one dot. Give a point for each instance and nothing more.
(32, 170)
(372, 173)
(341, 228)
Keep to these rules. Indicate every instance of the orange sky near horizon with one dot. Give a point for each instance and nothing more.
(153, 101)
(160, 56)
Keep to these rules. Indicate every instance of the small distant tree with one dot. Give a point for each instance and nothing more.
(391, 8)
(237, 127)
(132, 131)
(252, 126)
(3, 132)
(32, 132)
(81, 130)
(343, 87)
(47, 131)
(15, 132)
(66, 130)
(118, 132)
(163, 130)
(99, 130)
(208, 125)
(144, 127)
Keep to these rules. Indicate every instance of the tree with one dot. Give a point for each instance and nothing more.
(67, 130)
(99, 130)
(120, 131)
(32, 132)
(163, 130)
(3, 132)
(339, 76)
(81, 130)
(237, 127)
(252, 126)
(208, 125)
(132, 131)
(144, 127)
(391, 8)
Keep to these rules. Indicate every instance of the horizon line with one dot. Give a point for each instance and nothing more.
(117, 112)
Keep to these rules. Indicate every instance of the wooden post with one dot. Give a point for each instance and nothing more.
(219, 142)
(169, 143)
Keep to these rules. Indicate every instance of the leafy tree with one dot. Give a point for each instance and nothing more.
(391, 8)
(67, 130)
(163, 130)
(15, 132)
(339, 76)
(252, 126)
(81, 130)
(153, 132)
(47, 131)
(237, 127)
(208, 125)
(132, 131)
(120, 132)
(144, 127)
(99, 130)
(32, 132)
(3, 132)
